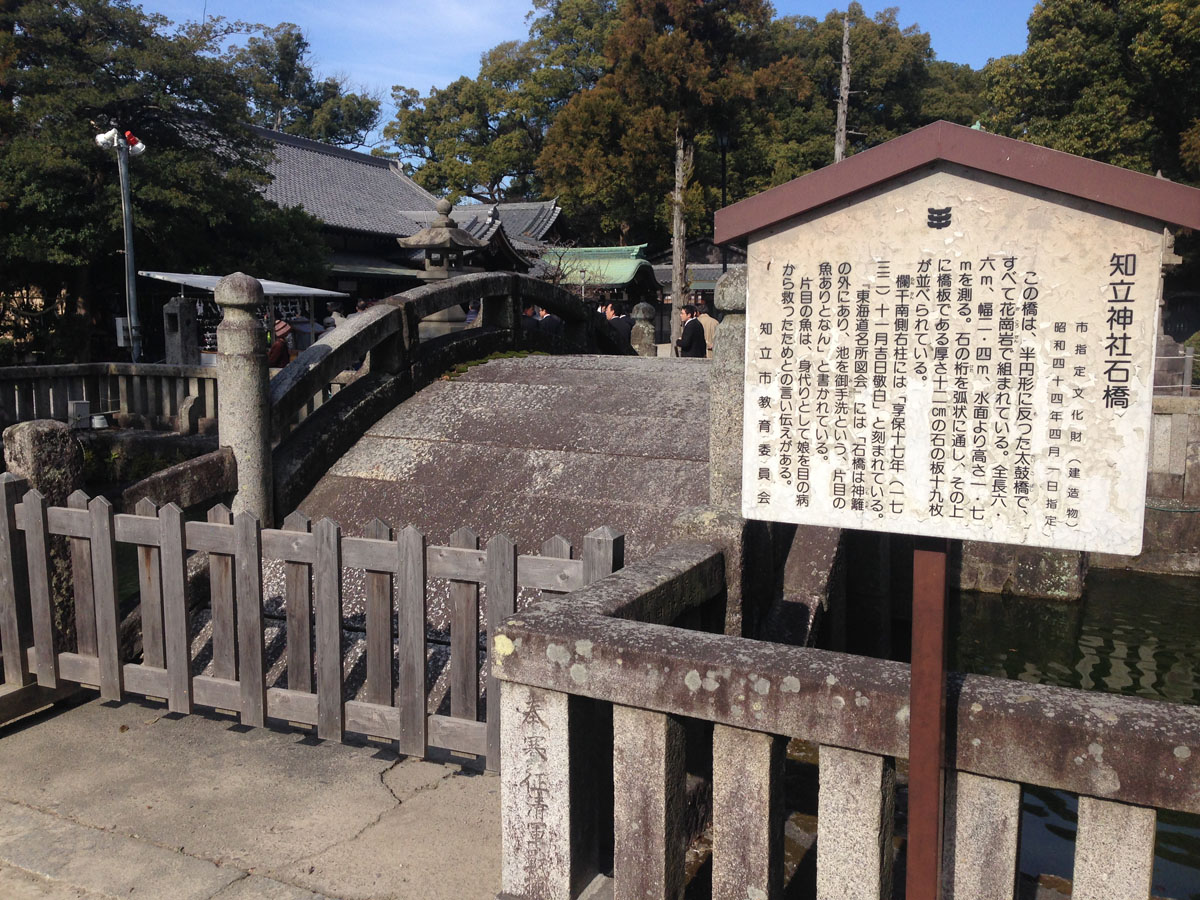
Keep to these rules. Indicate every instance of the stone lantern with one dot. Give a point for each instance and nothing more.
(443, 242)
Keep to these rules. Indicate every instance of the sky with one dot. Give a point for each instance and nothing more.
(377, 44)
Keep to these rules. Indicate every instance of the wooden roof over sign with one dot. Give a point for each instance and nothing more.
(1156, 198)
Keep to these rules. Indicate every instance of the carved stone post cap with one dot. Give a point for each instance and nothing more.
(730, 295)
(643, 312)
(239, 291)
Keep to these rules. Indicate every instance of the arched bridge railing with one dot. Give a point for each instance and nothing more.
(316, 425)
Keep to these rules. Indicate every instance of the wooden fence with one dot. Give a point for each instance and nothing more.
(398, 568)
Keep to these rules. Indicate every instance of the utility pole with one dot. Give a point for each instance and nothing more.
(839, 139)
(131, 304)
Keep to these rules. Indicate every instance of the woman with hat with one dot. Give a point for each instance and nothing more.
(279, 354)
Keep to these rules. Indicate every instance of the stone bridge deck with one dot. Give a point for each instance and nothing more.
(534, 447)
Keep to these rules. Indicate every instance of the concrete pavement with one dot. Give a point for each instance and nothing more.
(106, 800)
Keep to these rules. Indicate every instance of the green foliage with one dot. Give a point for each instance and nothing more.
(286, 95)
(1112, 80)
(480, 137)
(71, 70)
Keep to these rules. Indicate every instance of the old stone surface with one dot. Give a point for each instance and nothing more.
(642, 337)
(242, 393)
(747, 819)
(103, 801)
(1022, 571)
(1114, 851)
(47, 455)
(979, 853)
(532, 447)
(854, 820)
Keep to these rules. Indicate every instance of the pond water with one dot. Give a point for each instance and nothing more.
(1132, 634)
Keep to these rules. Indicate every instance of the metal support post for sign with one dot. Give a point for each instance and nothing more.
(927, 720)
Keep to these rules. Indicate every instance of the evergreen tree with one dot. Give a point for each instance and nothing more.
(69, 70)
(286, 95)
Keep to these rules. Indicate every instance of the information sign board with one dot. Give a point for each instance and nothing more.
(958, 355)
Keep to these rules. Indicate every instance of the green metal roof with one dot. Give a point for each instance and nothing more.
(602, 266)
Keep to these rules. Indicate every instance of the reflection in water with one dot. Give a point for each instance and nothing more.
(1132, 634)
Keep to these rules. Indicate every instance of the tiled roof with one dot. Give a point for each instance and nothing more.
(346, 189)
(343, 188)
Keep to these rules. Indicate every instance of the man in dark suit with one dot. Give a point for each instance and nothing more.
(691, 342)
(618, 320)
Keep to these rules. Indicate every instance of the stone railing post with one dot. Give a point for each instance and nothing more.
(243, 416)
(726, 387)
(643, 330)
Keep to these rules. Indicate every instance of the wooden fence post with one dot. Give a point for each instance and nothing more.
(464, 637)
(327, 588)
(379, 624)
(221, 592)
(81, 574)
(603, 553)
(15, 623)
(501, 603)
(37, 546)
(174, 610)
(297, 590)
(104, 583)
(411, 609)
(150, 581)
(248, 563)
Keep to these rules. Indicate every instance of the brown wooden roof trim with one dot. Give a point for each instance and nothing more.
(1156, 198)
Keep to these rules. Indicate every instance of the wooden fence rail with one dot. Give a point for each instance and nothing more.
(398, 569)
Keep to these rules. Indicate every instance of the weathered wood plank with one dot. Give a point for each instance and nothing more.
(37, 552)
(292, 706)
(327, 591)
(368, 553)
(218, 693)
(548, 573)
(15, 621)
(224, 615)
(71, 522)
(501, 603)
(150, 587)
(377, 720)
(81, 576)
(210, 536)
(458, 735)
(133, 529)
(379, 623)
(288, 545)
(175, 612)
(82, 669)
(411, 689)
(464, 637)
(297, 593)
(248, 578)
(104, 581)
(603, 553)
(149, 681)
(457, 563)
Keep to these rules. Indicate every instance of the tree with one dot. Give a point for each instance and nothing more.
(288, 96)
(480, 137)
(680, 69)
(1113, 80)
(71, 70)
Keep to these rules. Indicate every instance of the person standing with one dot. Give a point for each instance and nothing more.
(619, 321)
(709, 324)
(691, 342)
